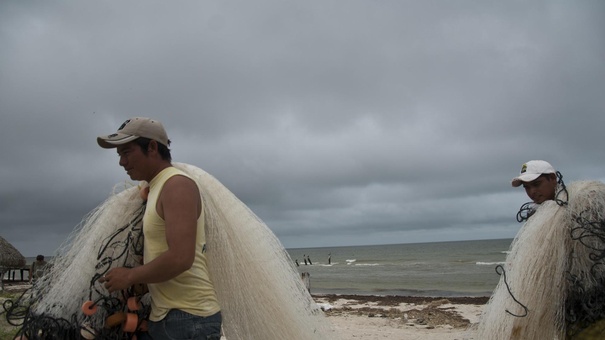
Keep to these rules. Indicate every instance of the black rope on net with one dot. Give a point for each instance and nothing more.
(132, 244)
(40, 326)
(562, 196)
(134, 225)
(15, 310)
(526, 211)
(133, 241)
(500, 271)
(46, 327)
(33, 327)
(591, 234)
(583, 307)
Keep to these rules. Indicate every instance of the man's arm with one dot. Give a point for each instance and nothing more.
(179, 204)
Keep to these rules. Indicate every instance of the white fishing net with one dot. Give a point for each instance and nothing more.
(262, 296)
(105, 239)
(549, 255)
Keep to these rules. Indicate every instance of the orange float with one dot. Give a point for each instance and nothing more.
(115, 319)
(131, 323)
(89, 308)
(133, 304)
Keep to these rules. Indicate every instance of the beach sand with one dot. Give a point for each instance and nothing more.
(391, 317)
(402, 317)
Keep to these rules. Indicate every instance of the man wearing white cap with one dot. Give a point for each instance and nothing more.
(539, 179)
(183, 300)
(552, 285)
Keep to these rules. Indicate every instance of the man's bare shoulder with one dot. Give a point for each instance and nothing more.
(180, 184)
(180, 179)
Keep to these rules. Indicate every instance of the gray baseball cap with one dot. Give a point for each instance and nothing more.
(134, 128)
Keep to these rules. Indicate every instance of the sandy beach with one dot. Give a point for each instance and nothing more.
(393, 317)
(402, 317)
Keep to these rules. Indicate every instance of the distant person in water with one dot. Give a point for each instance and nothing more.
(309, 259)
(296, 261)
(37, 269)
(305, 259)
(329, 258)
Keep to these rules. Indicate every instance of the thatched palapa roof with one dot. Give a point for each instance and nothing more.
(10, 257)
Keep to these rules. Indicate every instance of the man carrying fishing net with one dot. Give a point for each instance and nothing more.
(183, 300)
(552, 285)
(201, 245)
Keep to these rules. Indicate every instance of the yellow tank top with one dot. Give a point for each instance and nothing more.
(191, 291)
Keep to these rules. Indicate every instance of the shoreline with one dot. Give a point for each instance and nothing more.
(397, 299)
(386, 300)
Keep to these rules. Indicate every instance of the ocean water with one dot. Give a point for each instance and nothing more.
(461, 268)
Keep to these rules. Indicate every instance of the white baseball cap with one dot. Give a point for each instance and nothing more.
(532, 170)
(134, 128)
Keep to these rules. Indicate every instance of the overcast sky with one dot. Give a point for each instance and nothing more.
(337, 122)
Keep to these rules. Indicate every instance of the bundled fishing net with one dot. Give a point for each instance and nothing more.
(110, 236)
(530, 290)
(261, 294)
(553, 277)
(260, 291)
